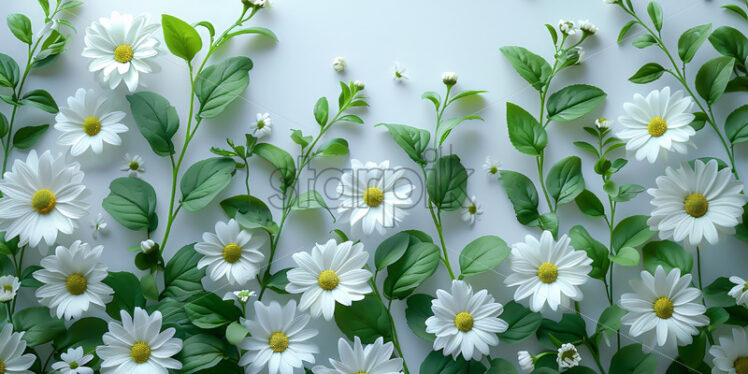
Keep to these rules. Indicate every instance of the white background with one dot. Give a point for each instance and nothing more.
(427, 37)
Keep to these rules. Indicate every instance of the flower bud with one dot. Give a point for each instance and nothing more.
(449, 78)
(587, 27)
(339, 64)
(359, 85)
(148, 246)
(567, 27)
(602, 123)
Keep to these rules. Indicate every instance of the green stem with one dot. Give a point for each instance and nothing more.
(436, 217)
(395, 339)
(698, 266)
(539, 162)
(10, 313)
(595, 356)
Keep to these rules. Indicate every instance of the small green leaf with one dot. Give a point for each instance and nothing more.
(483, 254)
(610, 320)
(565, 181)
(533, 68)
(631, 232)
(201, 352)
(367, 318)
(717, 292)
(132, 202)
(391, 250)
(157, 120)
(333, 147)
(206, 310)
(204, 180)
(181, 38)
(447, 183)
(730, 42)
(581, 240)
(412, 140)
(667, 254)
(321, 111)
(644, 41)
(632, 360)
(525, 133)
(523, 195)
(691, 40)
(127, 294)
(255, 30)
(648, 73)
(433, 97)
(38, 326)
(446, 127)
(574, 101)
(20, 26)
(279, 158)
(712, 78)
(235, 333)
(40, 99)
(250, 212)
(736, 125)
(436, 362)
(278, 281)
(26, 137)
(310, 200)
(416, 314)
(625, 29)
(9, 73)
(627, 192)
(182, 278)
(419, 262)
(149, 287)
(737, 10)
(655, 14)
(626, 256)
(589, 204)
(221, 84)
(522, 323)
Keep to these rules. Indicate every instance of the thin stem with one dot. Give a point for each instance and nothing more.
(437, 222)
(539, 162)
(10, 313)
(698, 266)
(595, 356)
(395, 339)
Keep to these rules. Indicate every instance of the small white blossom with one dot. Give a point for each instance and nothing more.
(568, 357)
(98, 225)
(133, 165)
(8, 288)
(587, 27)
(148, 245)
(567, 27)
(399, 72)
(602, 123)
(449, 78)
(262, 127)
(526, 362)
(739, 291)
(471, 210)
(491, 167)
(242, 295)
(339, 64)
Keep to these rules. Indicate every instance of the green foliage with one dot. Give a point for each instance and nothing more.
(483, 254)
(127, 294)
(219, 85)
(204, 180)
(207, 310)
(412, 140)
(156, 119)
(447, 183)
(631, 360)
(182, 278)
(182, 39)
(574, 101)
(416, 314)
(38, 325)
(132, 202)
(525, 133)
(522, 322)
(533, 68)
(667, 254)
(565, 181)
(416, 265)
(523, 195)
(367, 318)
(436, 362)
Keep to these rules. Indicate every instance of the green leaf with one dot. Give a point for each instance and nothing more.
(9, 73)
(235, 333)
(207, 310)
(157, 120)
(255, 30)
(644, 41)
(570, 329)
(523, 195)
(525, 133)
(181, 38)
(367, 318)
(522, 322)
(447, 183)
(631, 360)
(582, 241)
(351, 118)
(549, 222)
(182, 278)
(631, 232)
(437, 362)
(219, 85)
(333, 147)
(667, 254)
(8, 247)
(627, 192)
(736, 125)
(730, 42)
(433, 97)
(127, 294)
(45, 6)
(412, 140)
(416, 314)
(500, 365)
(26, 137)
(446, 127)
(278, 281)
(737, 84)
(86, 332)
(20, 26)
(40, 99)
(310, 200)
(132, 202)
(712, 78)
(691, 40)
(626, 256)
(298, 137)
(391, 250)
(589, 204)
(279, 158)
(625, 29)
(610, 321)
(648, 73)
(552, 31)
(464, 94)
(149, 287)
(655, 14)
(574, 101)
(533, 68)
(483, 254)
(737, 10)
(204, 180)
(419, 262)
(38, 325)
(693, 354)
(250, 212)
(321, 111)
(717, 317)
(565, 181)
(716, 293)
(202, 352)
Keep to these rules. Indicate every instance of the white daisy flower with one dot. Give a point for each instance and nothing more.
(11, 348)
(231, 253)
(568, 357)
(133, 165)
(241, 296)
(449, 78)
(731, 354)
(278, 339)
(332, 273)
(137, 345)
(658, 122)
(98, 226)
(547, 271)
(73, 361)
(374, 196)
(399, 72)
(339, 64)
(664, 308)
(41, 198)
(374, 358)
(88, 122)
(471, 210)
(567, 27)
(602, 123)
(587, 27)
(9, 286)
(121, 48)
(147, 246)
(263, 127)
(739, 292)
(72, 280)
(465, 323)
(696, 204)
(491, 167)
(526, 361)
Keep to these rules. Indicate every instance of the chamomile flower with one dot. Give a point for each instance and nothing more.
(399, 72)
(696, 204)
(122, 48)
(278, 339)
(731, 354)
(374, 196)
(548, 272)
(137, 345)
(98, 226)
(567, 356)
(73, 362)
(262, 127)
(465, 323)
(471, 210)
(739, 291)
(657, 123)
(602, 123)
(72, 280)
(88, 122)
(449, 78)
(587, 27)
(12, 346)
(664, 310)
(567, 27)
(241, 296)
(375, 358)
(491, 167)
(231, 253)
(41, 198)
(9, 286)
(133, 165)
(332, 273)
(526, 361)
(339, 64)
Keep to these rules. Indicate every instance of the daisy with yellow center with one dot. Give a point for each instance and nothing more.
(133, 165)
(739, 291)
(471, 210)
(262, 127)
(231, 254)
(89, 122)
(73, 362)
(491, 167)
(375, 358)
(8, 288)
(12, 347)
(730, 352)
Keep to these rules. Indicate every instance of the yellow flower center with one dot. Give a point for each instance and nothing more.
(328, 280)
(745, 286)
(76, 284)
(74, 365)
(657, 126)
(373, 196)
(696, 205)
(91, 126)
(134, 165)
(472, 209)
(493, 170)
(741, 365)
(547, 272)
(663, 307)
(2, 366)
(464, 321)
(260, 124)
(123, 53)
(568, 355)
(8, 288)
(140, 352)
(43, 201)
(278, 342)
(232, 253)
(361, 372)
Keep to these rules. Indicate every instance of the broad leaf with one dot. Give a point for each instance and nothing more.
(182, 278)
(219, 85)
(447, 183)
(631, 232)
(533, 68)
(483, 254)
(416, 314)
(391, 250)
(367, 318)
(523, 323)
(127, 294)
(132, 202)
(204, 180)
(574, 101)
(26, 137)
(419, 262)
(182, 39)
(202, 351)
(282, 161)
(207, 311)
(736, 125)
(38, 325)
(648, 73)
(412, 140)
(581, 240)
(691, 40)
(525, 133)
(565, 181)
(667, 254)
(712, 78)
(523, 195)
(157, 120)
(40, 99)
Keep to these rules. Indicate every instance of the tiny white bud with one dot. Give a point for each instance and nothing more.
(567, 27)
(525, 361)
(587, 27)
(148, 245)
(359, 85)
(602, 123)
(339, 64)
(449, 78)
